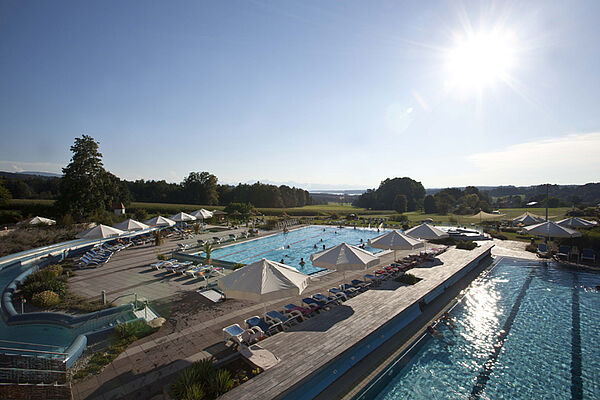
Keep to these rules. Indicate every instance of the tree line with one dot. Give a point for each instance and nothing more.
(86, 188)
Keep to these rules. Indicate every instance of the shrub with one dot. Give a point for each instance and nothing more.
(10, 216)
(57, 269)
(237, 266)
(45, 299)
(448, 241)
(531, 248)
(466, 245)
(162, 257)
(184, 383)
(408, 279)
(222, 382)
(131, 331)
(497, 235)
(33, 286)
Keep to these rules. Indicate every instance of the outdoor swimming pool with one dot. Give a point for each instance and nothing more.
(301, 242)
(523, 331)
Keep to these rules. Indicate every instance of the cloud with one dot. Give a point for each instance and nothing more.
(570, 159)
(20, 166)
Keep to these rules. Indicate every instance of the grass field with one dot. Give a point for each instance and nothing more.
(327, 209)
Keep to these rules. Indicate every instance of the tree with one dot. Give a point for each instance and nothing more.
(399, 203)
(4, 195)
(83, 187)
(201, 188)
(429, 204)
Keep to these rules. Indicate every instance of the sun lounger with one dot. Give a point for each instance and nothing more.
(267, 328)
(216, 240)
(239, 336)
(326, 299)
(563, 252)
(163, 264)
(196, 270)
(588, 255)
(310, 302)
(374, 279)
(306, 312)
(542, 250)
(232, 237)
(338, 294)
(351, 289)
(292, 317)
(361, 284)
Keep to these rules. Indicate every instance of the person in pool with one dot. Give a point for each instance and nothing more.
(302, 262)
(448, 321)
(323, 247)
(282, 261)
(315, 246)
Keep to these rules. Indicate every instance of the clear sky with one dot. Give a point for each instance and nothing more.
(335, 94)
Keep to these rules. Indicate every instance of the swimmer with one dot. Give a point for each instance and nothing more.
(361, 240)
(321, 239)
(302, 262)
(315, 246)
(288, 246)
(282, 261)
(448, 321)
(434, 332)
(323, 247)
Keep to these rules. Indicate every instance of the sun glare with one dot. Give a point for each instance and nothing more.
(480, 60)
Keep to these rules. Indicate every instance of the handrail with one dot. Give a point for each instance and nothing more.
(34, 351)
(31, 344)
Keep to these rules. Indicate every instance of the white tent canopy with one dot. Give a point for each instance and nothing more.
(182, 217)
(99, 232)
(551, 229)
(131, 225)
(426, 231)
(528, 219)
(159, 221)
(41, 220)
(395, 240)
(344, 257)
(575, 222)
(202, 214)
(262, 281)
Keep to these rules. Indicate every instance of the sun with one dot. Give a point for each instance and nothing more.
(480, 60)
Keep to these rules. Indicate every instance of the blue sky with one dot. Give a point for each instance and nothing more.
(326, 94)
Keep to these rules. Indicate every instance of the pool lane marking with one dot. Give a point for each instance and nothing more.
(484, 375)
(576, 380)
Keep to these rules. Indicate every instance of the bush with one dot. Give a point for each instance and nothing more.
(448, 241)
(41, 281)
(532, 247)
(10, 216)
(45, 299)
(131, 331)
(497, 235)
(237, 266)
(408, 279)
(466, 245)
(56, 269)
(399, 218)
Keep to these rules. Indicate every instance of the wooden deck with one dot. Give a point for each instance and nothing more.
(316, 343)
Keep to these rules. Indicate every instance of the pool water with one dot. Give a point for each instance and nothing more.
(523, 331)
(301, 244)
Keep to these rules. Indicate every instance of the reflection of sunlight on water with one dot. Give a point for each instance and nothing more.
(480, 320)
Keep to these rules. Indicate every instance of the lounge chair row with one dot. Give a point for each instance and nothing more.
(568, 253)
(274, 321)
(187, 268)
(100, 254)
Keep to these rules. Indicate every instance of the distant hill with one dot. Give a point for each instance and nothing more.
(29, 174)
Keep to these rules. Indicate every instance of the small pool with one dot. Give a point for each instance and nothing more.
(523, 331)
(301, 242)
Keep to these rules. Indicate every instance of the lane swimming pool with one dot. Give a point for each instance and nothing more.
(302, 243)
(523, 331)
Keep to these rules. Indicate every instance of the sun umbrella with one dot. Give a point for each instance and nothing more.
(131, 225)
(426, 231)
(395, 240)
(262, 281)
(99, 232)
(202, 214)
(528, 219)
(182, 217)
(551, 229)
(41, 220)
(344, 257)
(160, 221)
(574, 222)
